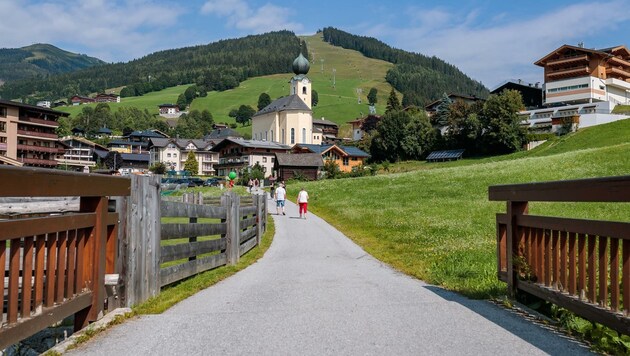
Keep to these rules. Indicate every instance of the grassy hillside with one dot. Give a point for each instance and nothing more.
(437, 224)
(339, 103)
(148, 101)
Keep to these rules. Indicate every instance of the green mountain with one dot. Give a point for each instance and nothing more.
(421, 79)
(39, 60)
(220, 65)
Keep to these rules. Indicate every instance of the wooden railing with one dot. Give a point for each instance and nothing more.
(232, 230)
(53, 266)
(581, 265)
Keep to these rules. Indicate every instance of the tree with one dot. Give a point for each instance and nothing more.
(371, 97)
(440, 118)
(420, 136)
(331, 168)
(463, 129)
(113, 160)
(233, 113)
(392, 102)
(263, 100)
(190, 93)
(314, 98)
(158, 168)
(191, 165)
(501, 123)
(181, 102)
(387, 144)
(244, 114)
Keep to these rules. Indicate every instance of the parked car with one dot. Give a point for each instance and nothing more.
(212, 182)
(197, 181)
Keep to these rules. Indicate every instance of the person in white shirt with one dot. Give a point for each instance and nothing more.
(302, 201)
(281, 196)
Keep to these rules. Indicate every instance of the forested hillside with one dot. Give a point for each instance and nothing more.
(39, 60)
(216, 66)
(419, 78)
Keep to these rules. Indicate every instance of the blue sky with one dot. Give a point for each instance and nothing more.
(491, 41)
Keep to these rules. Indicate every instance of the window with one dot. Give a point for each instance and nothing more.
(304, 90)
(3, 111)
(283, 139)
(168, 155)
(292, 136)
(264, 159)
(3, 139)
(174, 155)
(345, 161)
(265, 135)
(303, 135)
(272, 138)
(3, 126)
(273, 159)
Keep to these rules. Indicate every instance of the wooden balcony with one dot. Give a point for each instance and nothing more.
(38, 162)
(617, 71)
(568, 60)
(619, 61)
(567, 73)
(37, 134)
(33, 148)
(48, 123)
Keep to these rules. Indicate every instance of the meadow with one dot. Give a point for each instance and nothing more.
(436, 223)
(338, 103)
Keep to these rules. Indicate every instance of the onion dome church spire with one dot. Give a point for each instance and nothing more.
(301, 65)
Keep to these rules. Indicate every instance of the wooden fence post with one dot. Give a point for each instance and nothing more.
(142, 275)
(233, 228)
(514, 209)
(259, 201)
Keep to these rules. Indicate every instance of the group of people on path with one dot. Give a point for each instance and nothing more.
(280, 195)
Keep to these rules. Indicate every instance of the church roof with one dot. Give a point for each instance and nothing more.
(291, 102)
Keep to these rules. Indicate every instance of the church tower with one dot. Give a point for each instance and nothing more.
(300, 84)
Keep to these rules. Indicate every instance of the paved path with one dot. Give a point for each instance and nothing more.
(317, 293)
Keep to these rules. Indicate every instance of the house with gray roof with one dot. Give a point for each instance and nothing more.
(291, 165)
(237, 154)
(174, 152)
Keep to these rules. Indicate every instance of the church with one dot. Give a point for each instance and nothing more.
(289, 120)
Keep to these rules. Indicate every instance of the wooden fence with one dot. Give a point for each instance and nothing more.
(581, 265)
(55, 265)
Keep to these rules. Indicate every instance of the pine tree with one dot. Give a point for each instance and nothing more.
(393, 104)
(191, 165)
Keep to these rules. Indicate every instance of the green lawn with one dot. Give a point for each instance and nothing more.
(149, 101)
(437, 224)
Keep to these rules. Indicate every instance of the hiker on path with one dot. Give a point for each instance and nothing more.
(302, 202)
(281, 195)
(272, 191)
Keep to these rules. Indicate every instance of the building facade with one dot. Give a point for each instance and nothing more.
(28, 134)
(578, 75)
(347, 158)
(582, 87)
(174, 153)
(80, 153)
(239, 154)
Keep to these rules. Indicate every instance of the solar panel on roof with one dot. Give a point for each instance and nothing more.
(445, 155)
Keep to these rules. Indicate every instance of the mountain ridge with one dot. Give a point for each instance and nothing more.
(41, 59)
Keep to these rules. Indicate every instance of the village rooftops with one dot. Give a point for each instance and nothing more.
(348, 150)
(300, 160)
(181, 143)
(291, 102)
(250, 144)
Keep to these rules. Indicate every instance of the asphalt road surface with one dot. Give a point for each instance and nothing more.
(317, 293)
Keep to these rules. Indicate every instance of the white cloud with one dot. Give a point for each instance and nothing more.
(498, 49)
(241, 16)
(114, 30)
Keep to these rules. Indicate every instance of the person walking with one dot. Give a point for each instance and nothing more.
(272, 191)
(302, 201)
(281, 195)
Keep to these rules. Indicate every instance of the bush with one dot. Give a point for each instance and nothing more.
(540, 136)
